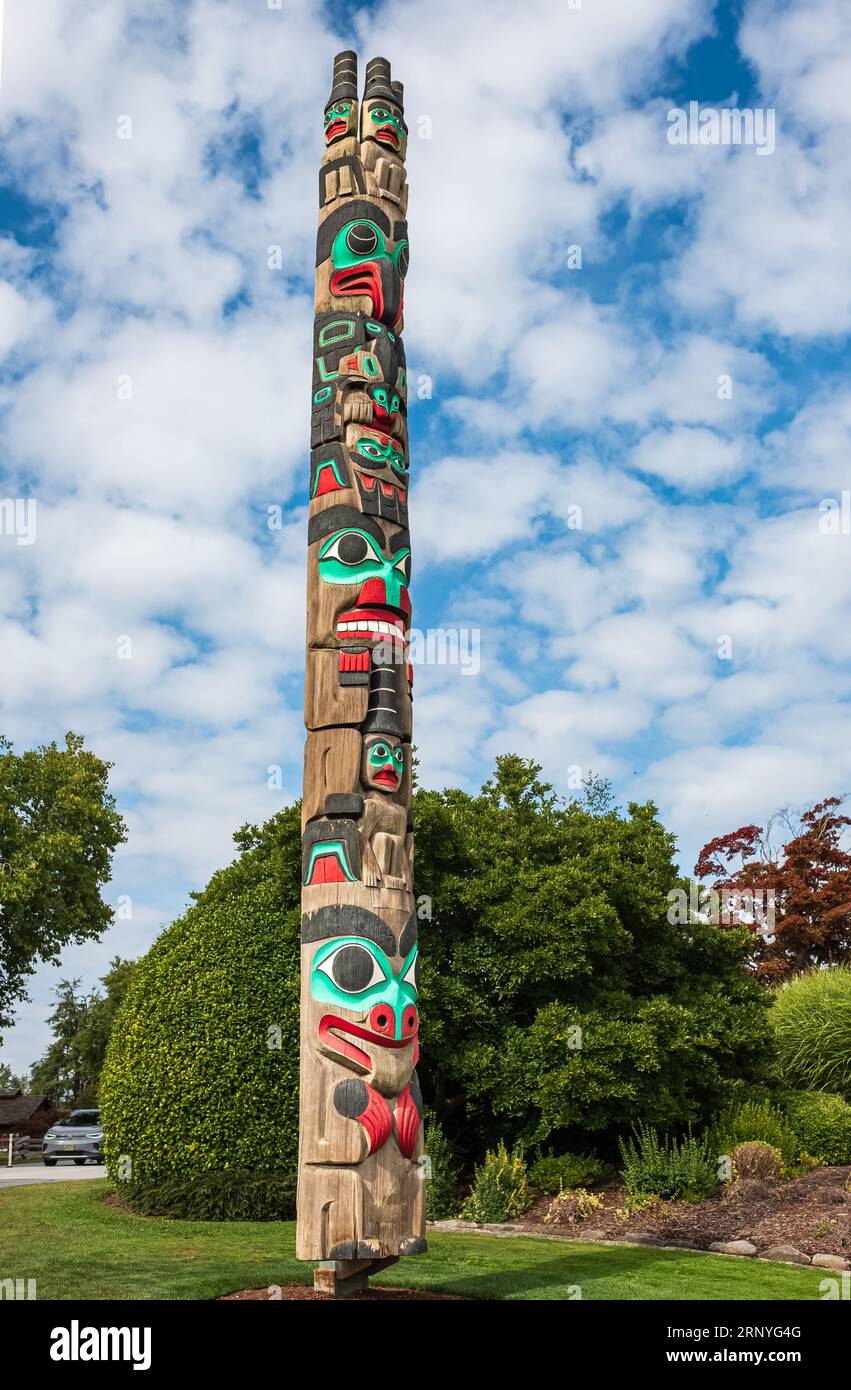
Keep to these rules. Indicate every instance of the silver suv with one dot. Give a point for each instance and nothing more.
(79, 1136)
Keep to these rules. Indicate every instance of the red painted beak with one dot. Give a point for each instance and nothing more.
(360, 279)
(331, 1024)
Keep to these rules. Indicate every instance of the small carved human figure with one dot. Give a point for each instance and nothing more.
(386, 845)
(341, 108)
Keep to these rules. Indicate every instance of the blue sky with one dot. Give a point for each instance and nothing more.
(689, 640)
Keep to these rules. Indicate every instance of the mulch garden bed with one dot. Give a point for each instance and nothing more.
(306, 1292)
(811, 1213)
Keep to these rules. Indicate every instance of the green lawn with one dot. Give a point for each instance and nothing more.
(75, 1246)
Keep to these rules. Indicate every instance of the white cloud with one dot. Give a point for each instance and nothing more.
(690, 459)
(552, 389)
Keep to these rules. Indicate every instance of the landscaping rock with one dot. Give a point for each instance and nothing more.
(638, 1238)
(595, 1233)
(829, 1262)
(733, 1247)
(785, 1253)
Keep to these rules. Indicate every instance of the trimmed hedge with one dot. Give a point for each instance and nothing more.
(230, 1196)
(201, 1073)
(822, 1123)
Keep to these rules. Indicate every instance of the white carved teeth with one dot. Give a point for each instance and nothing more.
(390, 629)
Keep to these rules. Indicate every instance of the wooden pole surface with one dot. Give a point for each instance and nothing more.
(361, 1194)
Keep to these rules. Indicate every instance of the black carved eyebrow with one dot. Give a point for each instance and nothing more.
(409, 935)
(337, 519)
(328, 922)
(340, 517)
(355, 211)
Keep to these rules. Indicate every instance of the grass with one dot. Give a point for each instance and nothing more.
(76, 1246)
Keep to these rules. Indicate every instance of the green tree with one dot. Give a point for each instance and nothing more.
(9, 1081)
(58, 830)
(69, 1071)
(62, 1073)
(557, 997)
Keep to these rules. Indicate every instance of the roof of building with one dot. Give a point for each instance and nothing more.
(16, 1108)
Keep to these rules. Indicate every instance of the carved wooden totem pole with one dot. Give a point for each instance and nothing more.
(361, 1193)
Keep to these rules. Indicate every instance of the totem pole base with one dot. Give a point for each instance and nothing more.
(340, 1278)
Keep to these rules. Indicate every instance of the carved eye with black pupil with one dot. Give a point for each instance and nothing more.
(351, 548)
(404, 568)
(352, 969)
(404, 261)
(361, 239)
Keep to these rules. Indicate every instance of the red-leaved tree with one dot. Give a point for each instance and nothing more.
(809, 878)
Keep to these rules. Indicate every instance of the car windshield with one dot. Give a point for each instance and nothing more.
(80, 1118)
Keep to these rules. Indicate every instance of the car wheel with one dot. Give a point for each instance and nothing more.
(79, 1162)
(49, 1162)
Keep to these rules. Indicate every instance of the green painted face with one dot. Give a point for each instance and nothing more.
(353, 973)
(335, 113)
(363, 240)
(383, 764)
(385, 402)
(383, 451)
(337, 121)
(353, 557)
(386, 126)
(382, 115)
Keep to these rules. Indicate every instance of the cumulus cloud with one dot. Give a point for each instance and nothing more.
(617, 468)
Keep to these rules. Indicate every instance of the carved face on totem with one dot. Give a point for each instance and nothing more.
(386, 405)
(363, 569)
(362, 261)
(341, 119)
(382, 763)
(359, 376)
(383, 122)
(364, 985)
(380, 466)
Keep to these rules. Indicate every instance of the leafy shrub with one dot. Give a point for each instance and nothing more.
(227, 1196)
(758, 1161)
(755, 1120)
(668, 1167)
(442, 1182)
(569, 1207)
(821, 1122)
(201, 1072)
(637, 1202)
(555, 1172)
(500, 1190)
(811, 1019)
(804, 1163)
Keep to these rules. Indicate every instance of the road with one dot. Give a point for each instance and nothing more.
(22, 1173)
